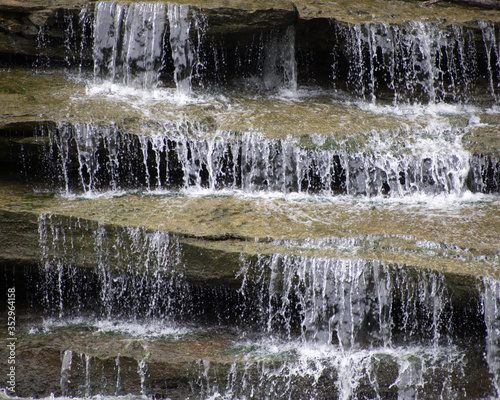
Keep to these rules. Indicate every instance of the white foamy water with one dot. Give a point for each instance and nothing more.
(278, 367)
(440, 201)
(140, 98)
(414, 111)
(5, 396)
(155, 329)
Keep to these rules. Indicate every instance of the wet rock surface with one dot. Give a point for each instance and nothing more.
(418, 235)
(23, 25)
(114, 364)
(279, 200)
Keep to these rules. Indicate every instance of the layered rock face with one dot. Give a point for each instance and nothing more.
(250, 199)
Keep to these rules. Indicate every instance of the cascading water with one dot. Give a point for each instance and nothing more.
(183, 21)
(214, 312)
(279, 70)
(267, 62)
(492, 51)
(128, 42)
(491, 303)
(349, 302)
(64, 288)
(312, 317)
(91, 158)
(418, 62)
(182, 54)
(129, 47)
(65, 370)
(407, 370)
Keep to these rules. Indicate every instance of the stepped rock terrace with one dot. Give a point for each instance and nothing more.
(250, 199)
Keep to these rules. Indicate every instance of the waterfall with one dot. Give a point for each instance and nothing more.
(279, 69)
(142, 371)
(485, 173)
(128, 42)
(491, 310)
(338, 317)
(184, 23)
(77, 150)
(93, 158)
(118, 375)
(42, 61)
(267, 62)
(492, 48)
(147, 275)
(182, 53)
(325, 317)
(88, 378)
(69, 41)
(66, 371)
(352, 303)
(418, 62)
(407, 372)
(249, 202)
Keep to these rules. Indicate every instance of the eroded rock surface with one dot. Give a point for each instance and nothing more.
(301, 211)
(38, 27)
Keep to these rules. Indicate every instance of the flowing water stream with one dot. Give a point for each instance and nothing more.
(221, 226)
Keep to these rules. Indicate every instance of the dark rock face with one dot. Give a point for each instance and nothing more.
(23, 25)
(229, 34)
(41, 29)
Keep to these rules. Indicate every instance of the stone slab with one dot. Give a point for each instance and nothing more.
(462, 240)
